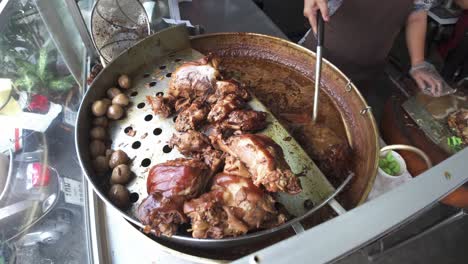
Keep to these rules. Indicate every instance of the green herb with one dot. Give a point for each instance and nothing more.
(35, 78)
(22, 37)
(27, 54)
(389, 164)
(455, 143)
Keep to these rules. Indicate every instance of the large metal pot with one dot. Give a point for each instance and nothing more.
(273, 67)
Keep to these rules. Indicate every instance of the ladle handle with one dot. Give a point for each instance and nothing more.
(318, 64)
(320, 29)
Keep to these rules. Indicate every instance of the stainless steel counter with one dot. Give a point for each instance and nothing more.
(229, 16)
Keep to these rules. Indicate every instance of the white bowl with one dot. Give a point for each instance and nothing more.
(385, 182)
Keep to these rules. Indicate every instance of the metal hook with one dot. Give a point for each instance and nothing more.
(365, 110)
(349, 86)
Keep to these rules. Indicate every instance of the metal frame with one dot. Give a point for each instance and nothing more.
(379, 217)
(57, 30)
(384, 250)
(9, 175)
(4, 16)
(80, 25)
(174, 10)
(94, 228)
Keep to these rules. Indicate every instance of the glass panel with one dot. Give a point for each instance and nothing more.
(59, 23)
(41, 195)
(85, 7)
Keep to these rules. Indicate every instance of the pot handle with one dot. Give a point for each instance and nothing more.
(416, 150)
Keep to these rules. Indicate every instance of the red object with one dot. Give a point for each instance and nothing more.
(39, 104)
(39, 174)
(457, 35)
(17, 139)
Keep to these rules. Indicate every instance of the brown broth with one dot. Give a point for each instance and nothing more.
(286, 93)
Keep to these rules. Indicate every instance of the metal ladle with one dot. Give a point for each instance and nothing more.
(318, 63)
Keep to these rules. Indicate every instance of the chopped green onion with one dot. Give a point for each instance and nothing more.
(389, 164)
(455, 143)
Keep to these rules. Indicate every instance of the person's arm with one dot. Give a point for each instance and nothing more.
(463, 4)
(423, 73)
(416, 26)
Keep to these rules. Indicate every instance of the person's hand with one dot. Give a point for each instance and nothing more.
(310, 11)
(422, 74)
(429, 80)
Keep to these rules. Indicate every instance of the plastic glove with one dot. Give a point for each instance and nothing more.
(429, 80)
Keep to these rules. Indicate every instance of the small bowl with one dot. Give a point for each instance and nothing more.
(385, 182)
(400, 161)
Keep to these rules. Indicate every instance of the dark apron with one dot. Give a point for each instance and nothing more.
(358, 39)
(360, 35)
